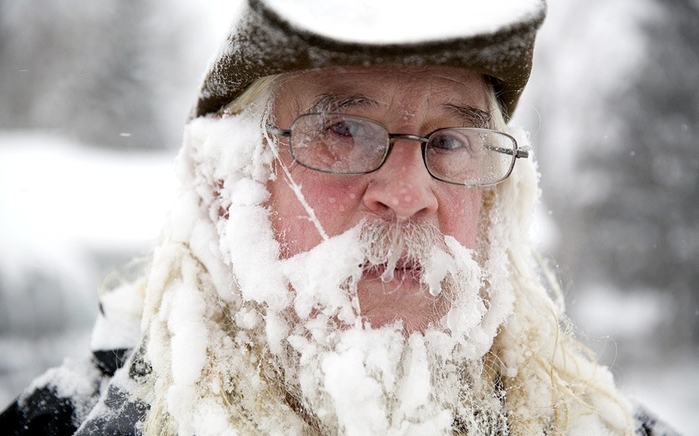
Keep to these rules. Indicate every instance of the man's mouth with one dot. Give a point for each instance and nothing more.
(404, 271)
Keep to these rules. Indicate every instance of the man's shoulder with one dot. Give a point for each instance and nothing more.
(58, 401)
(42, 411)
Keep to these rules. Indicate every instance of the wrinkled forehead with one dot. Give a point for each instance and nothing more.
(405, 89)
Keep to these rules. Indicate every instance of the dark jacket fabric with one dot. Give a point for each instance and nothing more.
(104, 410)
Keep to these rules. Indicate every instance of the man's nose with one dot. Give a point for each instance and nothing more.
(402, 188)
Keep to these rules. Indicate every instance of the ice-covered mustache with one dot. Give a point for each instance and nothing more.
(409, 247)
(325, 278)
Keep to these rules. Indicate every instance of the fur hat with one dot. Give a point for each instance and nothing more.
(494, 38)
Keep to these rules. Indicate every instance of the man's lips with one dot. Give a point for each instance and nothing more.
(405, 270)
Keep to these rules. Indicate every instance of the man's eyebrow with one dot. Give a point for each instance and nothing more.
(472, 115)
(336, 103)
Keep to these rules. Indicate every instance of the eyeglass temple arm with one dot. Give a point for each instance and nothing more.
(520, 153)
(274, 130)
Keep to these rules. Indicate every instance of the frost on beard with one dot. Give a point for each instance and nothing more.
(303, 318)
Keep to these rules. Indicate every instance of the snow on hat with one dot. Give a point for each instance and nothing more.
(493, 37)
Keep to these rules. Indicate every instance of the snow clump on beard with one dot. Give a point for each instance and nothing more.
(355, 379)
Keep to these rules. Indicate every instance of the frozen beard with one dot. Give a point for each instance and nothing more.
(241, 342)
(300, 323)
(359, 379)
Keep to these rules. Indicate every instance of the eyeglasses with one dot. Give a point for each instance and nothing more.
(347, 144)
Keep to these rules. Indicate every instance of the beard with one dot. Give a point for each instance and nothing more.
(305, 333)
(299, 332)
(240, 340)
(425, 371)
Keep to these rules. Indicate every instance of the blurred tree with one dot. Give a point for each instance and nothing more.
(619, 91)
(645, 230)
(84, 69)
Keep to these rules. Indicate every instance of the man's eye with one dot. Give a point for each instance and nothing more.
(347, 129)
(447, 142)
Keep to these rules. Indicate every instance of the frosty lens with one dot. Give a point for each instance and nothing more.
(470, 156)
(340, 144)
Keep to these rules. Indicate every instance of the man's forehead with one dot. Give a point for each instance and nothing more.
(373, 77)
(336, 89)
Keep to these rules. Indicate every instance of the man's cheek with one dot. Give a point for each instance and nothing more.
(301, 237)
(334, 200)
(460, 216)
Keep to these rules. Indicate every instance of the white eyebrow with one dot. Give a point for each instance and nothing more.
(334, 103)
(472, 115)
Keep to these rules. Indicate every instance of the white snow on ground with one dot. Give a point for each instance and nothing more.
(58, 197)
(61, 204)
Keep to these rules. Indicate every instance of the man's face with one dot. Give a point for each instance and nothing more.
(406, 100)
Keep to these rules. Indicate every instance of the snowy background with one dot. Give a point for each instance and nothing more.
(92, 102)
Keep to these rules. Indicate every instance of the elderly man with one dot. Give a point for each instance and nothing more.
(349, 254)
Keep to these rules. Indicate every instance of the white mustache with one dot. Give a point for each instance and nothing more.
(409, 246)
(325, 278)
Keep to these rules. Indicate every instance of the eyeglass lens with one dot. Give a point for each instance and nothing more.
(338, 144)
(469, 156)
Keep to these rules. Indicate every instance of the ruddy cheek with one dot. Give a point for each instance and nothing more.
(460, 214)
(334, 204)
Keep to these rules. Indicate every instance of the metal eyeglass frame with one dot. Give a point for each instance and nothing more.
(517, 153)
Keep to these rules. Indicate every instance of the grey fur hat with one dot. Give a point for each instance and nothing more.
(269, 39)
